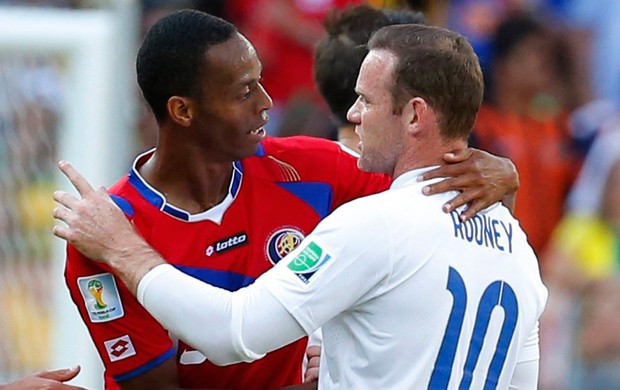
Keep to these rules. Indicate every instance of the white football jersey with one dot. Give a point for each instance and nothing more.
(409, 297)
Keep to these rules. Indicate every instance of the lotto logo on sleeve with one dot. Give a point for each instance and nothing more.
(101, 297)
(119, 348)
(308, 261)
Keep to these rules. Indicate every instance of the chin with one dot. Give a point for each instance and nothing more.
(241, 153)
(369, 165)
(365, 165)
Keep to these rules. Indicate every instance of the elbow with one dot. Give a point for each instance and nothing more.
(224, 352)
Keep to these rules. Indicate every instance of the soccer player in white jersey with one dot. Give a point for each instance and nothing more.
(408, 297)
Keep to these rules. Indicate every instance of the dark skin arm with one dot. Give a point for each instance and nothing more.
(480, 176)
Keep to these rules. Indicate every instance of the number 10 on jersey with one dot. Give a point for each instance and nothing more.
(498, 293)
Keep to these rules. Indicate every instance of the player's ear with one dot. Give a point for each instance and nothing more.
(180, 110)
(414, 114)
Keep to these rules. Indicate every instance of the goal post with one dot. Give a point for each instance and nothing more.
(96, 131)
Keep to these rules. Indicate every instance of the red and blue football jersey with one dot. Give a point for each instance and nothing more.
(275, 199)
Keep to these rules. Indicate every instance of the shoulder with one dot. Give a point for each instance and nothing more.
(388, 206)
(304, 146)
(302, 158)
(122, 194)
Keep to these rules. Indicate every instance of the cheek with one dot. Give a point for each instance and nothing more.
(367, 119)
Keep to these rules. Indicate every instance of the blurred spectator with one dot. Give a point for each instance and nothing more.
(582, 272)
(479, 19)
(522, 120)
(597, 28)
(435, 10)
(585, 196)
(284, 33)
(592, 29)
(339, 55)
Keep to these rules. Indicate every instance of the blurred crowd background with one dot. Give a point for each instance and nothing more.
(552, 70)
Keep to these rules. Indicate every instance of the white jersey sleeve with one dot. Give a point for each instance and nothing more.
(223, 326)
(340, 264)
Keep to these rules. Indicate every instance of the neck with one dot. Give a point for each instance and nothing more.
(420, 155)
(347, 137)
(187, 176)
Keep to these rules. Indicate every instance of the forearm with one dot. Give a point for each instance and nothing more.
(226, 327)
(133, 261)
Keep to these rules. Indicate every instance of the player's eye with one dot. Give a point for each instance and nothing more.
(247, 93)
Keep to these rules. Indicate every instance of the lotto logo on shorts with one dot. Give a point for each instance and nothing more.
(307, 262)
(119, 348)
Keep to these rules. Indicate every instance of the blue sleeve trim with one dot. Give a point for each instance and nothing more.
(124, 205)
(146, 367)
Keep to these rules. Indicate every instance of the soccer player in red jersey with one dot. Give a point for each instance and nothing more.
(216, 198)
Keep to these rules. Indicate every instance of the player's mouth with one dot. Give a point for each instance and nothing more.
(258, 133)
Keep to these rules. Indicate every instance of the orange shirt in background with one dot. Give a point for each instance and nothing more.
(541, 151)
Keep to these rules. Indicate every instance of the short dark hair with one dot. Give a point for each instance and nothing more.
(338, 57)
(171, 59)
(439, 66)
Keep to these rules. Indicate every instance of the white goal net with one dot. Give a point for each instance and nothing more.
(66, 92)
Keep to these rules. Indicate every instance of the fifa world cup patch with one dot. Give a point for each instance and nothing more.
(308, 261)
(119, 348)
(101, 297)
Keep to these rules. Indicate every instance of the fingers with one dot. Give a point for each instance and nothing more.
(458, 156)
(461, 199)
(312, 371)
(475, 198)
(76, 178)
(312, 374)
(450, 170)
(313, 350)
(313, 353)
(65, 199)
(61, 213)
(62, 232)
(474, 208)
(61, 375)
(459, 183)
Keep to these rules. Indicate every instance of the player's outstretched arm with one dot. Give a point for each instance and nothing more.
(99, 229)
(52, 380)
(482, 178)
